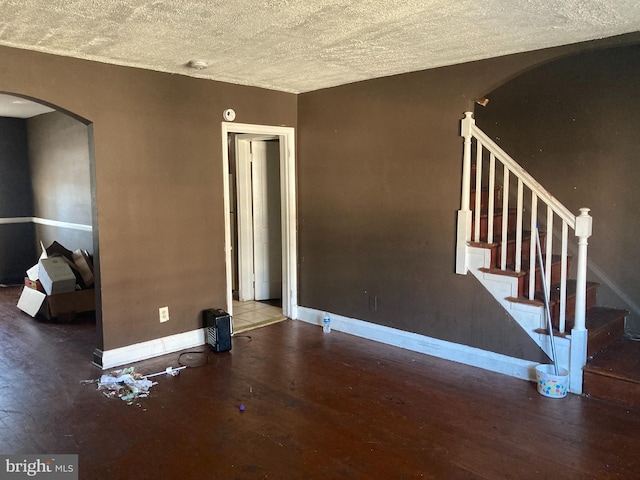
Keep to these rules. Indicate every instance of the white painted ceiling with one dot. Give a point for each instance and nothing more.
(303, 45)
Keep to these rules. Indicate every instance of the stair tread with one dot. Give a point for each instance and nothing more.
(510, 270)
(497, 238)
(498, 271)
(620, 360)
(597, 320)
(600, 317)
(525, 300)
(605, 325)
(554, 291)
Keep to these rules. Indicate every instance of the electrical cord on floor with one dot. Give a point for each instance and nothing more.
(242, 336)
(206, 352)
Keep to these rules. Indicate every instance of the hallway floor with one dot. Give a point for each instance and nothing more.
(317, 406)
(250, 315)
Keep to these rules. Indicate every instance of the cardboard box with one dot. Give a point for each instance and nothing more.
(61, 305)
(83, 264)
(56, 276)
(32, 273)
(31, 301)
(69, 304)
(57, 250)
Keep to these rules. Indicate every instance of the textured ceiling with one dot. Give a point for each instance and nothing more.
(303, 45)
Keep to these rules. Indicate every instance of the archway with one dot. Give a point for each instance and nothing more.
(48, 197)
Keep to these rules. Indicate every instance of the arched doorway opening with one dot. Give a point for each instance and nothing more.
(47, 202)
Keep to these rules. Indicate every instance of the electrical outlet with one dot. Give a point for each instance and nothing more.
(164, 314)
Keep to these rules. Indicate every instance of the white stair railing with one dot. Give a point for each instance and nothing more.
(491, 163)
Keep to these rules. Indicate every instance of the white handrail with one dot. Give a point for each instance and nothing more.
(558, 208)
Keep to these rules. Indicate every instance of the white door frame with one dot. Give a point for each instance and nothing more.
(286, 136)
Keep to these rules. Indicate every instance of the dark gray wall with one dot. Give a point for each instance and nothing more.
(17, 250)
(379, 180)
(60, 177)
(571, 123)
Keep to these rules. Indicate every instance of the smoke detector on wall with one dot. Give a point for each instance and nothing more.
(229, 114)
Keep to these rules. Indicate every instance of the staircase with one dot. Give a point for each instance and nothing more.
(502, 206)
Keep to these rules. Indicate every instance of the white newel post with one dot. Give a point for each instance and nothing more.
(464, 214)
(579, 332)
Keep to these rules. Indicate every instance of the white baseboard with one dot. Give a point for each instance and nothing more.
(495, 362)
(145, 350)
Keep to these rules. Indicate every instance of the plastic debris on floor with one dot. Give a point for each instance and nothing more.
(129, 385)
(125, 384)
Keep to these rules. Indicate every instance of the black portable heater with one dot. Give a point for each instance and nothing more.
(217, 323)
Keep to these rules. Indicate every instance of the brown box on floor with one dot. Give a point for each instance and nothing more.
(67, 305)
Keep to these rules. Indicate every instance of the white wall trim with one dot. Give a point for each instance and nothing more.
(495, 362)
(46, 221)
(152, 348)
(11, 220)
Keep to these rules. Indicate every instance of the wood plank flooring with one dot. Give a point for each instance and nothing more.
(317, 406)
(614, 373)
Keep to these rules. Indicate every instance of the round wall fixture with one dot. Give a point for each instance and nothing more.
(229, 115)
(197, 64)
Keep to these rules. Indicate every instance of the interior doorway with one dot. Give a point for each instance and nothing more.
(260, 223)
(258, 239)
(48, 194)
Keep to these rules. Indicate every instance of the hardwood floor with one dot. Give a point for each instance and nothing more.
(614, 373)
(317, 406)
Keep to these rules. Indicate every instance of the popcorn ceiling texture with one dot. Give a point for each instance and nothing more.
(303, 45)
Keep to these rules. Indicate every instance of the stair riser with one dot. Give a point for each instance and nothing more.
(511, 250)
(523, 284)
(570, 311)
(600, 338)
(611, 389)
(497, 225)
(484, 199)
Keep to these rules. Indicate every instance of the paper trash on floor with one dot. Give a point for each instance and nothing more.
(125, 384)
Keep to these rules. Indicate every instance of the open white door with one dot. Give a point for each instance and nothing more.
(267, 237)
